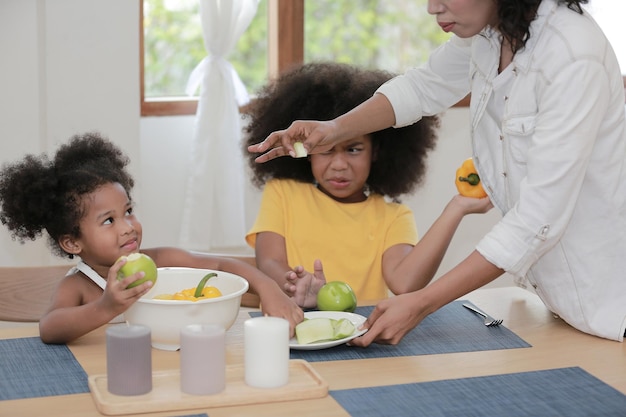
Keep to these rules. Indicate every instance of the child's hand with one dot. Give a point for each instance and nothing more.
(302, 286)
(469, 205)
(275, 303)
(116, 297)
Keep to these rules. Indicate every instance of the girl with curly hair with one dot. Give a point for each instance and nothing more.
(336, 216)
(81, 200)
(549, 142)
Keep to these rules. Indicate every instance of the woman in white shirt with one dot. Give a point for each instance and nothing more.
(549, 142)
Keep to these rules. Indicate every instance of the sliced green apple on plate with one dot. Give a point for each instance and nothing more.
(322, 329)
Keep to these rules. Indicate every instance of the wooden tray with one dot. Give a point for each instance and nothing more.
(304, 383)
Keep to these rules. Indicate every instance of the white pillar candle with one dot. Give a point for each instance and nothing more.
(202, 359)
(266, 351)
(129, 359)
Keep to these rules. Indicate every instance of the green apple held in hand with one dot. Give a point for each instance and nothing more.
(136, 262)
(336, 296)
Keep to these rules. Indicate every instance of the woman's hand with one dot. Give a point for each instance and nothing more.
(302, 286)
(391, 320)
(316, 137)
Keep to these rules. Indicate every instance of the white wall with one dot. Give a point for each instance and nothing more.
(67, 66)
(71, 66)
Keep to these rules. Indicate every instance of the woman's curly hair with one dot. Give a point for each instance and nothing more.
(515, 17)
(322, 91)
(38, 194)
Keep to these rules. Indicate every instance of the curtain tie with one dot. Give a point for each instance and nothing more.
(195, 78)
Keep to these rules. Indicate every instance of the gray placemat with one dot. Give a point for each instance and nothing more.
(566, 392)
(450, 329)
(30, 368)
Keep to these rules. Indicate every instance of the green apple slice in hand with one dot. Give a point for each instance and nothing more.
(299, 150)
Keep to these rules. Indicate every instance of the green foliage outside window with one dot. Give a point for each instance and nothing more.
(392, 35)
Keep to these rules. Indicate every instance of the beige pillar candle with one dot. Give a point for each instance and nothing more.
(202, 359)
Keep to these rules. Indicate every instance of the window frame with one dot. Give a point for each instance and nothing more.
(285, 49)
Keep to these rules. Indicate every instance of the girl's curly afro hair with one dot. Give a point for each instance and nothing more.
(323, 91)
(38, 194)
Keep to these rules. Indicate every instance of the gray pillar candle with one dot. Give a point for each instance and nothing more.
(202, 359)
(129, 359)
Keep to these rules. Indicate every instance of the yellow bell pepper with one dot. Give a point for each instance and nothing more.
(188, 294)
(467, 180)
(201, 292)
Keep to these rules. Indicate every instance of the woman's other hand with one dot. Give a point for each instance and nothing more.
(391, 320)
(316, 137)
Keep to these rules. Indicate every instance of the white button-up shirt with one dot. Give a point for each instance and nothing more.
(553, 160)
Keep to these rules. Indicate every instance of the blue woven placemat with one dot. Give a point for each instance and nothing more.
(450, 329)
(566, 392)
(30, 368)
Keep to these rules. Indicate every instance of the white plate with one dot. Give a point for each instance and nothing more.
(356, 319)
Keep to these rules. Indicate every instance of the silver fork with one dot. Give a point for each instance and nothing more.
(489, 321)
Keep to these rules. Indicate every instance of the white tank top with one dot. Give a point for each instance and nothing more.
(95, 277)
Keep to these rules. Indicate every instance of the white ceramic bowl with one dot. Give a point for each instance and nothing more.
(166, 318)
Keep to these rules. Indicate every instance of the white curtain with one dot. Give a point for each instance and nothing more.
(214, 214)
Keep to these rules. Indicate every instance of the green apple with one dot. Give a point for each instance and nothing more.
(336, 296)
(136, 262)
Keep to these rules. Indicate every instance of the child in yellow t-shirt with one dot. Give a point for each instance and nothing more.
(365, 237)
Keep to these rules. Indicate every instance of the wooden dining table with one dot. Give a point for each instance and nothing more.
(553, 343)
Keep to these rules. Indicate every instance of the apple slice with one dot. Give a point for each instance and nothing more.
(343, 328)
(300, 150)
(322, 328)
(314, 330)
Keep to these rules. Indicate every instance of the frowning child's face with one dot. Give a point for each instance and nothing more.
(342, 172)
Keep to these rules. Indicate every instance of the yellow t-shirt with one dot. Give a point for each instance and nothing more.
(349, 239)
